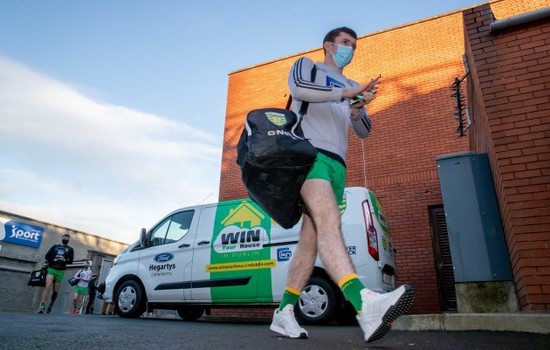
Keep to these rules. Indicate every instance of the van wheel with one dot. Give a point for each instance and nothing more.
(190, 313)
(317, 303)
(130, 300)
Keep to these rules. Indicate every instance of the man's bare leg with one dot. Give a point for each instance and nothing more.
(323, 209)
(301, 265)
(45, 290)
(376, 311)
(300, 269)
(322, 205)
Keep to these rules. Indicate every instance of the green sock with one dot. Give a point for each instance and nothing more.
(290, 297)
(351, 287)
(42, 305)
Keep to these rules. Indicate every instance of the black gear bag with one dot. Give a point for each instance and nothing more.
(38, 278)
(275, 159)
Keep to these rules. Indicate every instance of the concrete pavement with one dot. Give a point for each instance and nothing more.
(523, 322)
(529, 322)
(51, 331)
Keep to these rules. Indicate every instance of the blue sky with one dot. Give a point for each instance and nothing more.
(112, 112)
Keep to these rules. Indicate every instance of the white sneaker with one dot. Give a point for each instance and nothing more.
(380, 310)
(285, 324)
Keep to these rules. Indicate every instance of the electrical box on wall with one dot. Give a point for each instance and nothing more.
(476, 237)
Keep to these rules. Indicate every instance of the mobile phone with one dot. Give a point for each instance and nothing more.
(357, 99)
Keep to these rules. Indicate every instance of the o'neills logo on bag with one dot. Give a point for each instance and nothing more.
(278, 119)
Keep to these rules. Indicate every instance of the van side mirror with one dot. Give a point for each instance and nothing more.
(143, 238)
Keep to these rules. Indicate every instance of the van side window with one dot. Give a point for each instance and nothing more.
(179, 226)
(172, 229)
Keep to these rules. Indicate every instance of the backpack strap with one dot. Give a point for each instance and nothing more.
(305, 104)
(289, 102)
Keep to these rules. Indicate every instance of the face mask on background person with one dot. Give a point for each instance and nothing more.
(343, 55)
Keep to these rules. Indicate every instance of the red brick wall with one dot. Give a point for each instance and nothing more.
(412, 124)
(510, 100)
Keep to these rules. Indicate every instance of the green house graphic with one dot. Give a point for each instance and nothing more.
(244, 216)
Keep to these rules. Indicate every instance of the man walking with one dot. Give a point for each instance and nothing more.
(335, 104)
(57, 258)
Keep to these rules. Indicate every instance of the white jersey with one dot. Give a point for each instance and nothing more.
(85, 275)
(328, 117)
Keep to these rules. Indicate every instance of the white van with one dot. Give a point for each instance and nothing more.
(231, 254)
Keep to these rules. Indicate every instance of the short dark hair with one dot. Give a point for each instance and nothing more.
(336, 31)
(67, 235)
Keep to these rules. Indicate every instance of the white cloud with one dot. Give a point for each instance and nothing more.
(95, 167)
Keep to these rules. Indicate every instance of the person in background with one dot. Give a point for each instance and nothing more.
(84, 276)
(336, 103)
(92, 291)
(57, 258)
(107, 308)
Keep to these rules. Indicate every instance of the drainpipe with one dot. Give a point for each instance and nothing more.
(513, 21)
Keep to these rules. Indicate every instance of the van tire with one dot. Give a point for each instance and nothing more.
(190, 313)
(130, 300)
(317, 303)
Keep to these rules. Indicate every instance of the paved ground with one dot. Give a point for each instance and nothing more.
(33, 331)
(530, 322)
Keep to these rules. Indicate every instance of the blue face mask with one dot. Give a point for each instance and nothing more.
(343, 55)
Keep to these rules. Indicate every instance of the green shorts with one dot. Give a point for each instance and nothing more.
(331, 170)
(78, 290)
(57, 274)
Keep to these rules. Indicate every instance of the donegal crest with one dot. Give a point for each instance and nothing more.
(278, 119)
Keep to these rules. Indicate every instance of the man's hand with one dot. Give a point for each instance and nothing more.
(371, 86)
(367, 95)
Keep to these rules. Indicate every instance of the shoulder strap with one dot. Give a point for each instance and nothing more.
(289, 102)
(305, 104)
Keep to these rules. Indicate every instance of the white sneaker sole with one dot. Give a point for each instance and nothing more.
(282, 332)
(400, 307)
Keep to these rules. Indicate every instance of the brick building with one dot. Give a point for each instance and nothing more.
(509, 97)
(508, 101)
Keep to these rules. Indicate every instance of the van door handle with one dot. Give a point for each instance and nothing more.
(184, 245)
(203, 242)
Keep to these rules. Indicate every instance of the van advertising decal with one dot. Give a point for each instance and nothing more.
(20, 233)
(241, 232)
(379, 213)
(163, 257)
(243, 265)
(342, 207)
(162, 267)
(236, 239)
(284, 254)
(161, 270)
